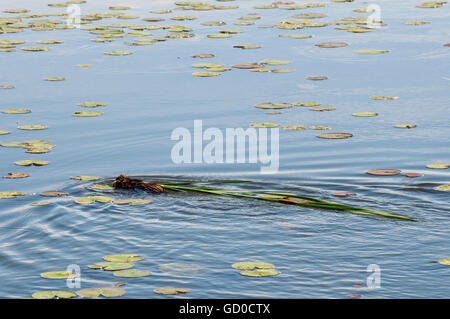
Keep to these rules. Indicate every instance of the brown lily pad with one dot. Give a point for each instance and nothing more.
(203, 55)
(343, 194)
(317, 78)
(412, 175)
(383, 172)
(171, 291)
(248, 66)
(16, 175)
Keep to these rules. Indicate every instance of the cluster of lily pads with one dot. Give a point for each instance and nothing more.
(256, 269)
(120, 265)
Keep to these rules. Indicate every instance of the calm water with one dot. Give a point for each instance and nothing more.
(320, 254)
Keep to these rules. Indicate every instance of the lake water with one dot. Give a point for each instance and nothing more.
(320, 254)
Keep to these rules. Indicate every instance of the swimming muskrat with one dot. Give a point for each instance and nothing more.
(128, 183)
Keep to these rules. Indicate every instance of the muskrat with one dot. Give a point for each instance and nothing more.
(128, 183)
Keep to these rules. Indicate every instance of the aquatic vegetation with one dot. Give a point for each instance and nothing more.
(86, 200)
(438, 166)
(171, 291)
(63, 274)
(445, 188)
(58, 294)
(260, 273)
(412, 175)
(111, 266)
(335, 135)
(6, 195)
(106, 292)
(85, 178)
(31, 162)
(54, 194)
(16, 175)
(383, 172)
(123, 258)
(250, 265)
(131, 273)
(365, 114)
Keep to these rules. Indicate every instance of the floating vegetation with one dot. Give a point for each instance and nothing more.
(58, 294)
(132, 201)
(412, 175)
(31, 162)
(87, 113)
(106, 292)
(416, 22)
(203, 55)
(4, 132)
(35, 49)
(171, 291)
(331, 45)
(111, 266)
(118, 53)
(101, 187)
(54, 194)
(206, 74)
(431, 4)
(270, 105)
(322, 108)
(317, 78)
(264, 125)
(86, 200)
(6, 195)
(54, 79)
(371, 51)
(381, 97)
(335, 135)
(16, 175)
(365, 114)
(445, 262)
(295, 36)
(284, 198)
(438, 166)
(445, 188)
(320, 128)
(33, 127)
(405, 125)
(131, 273)
(260, 273)
(383, 172)
(63, 274)
(123, 258)
(294, 127)
(16, 111)
(343, 194)
(250, 265)
(246, 46)
(85, 178)
(42, 203)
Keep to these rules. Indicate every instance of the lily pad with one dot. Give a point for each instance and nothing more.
(372, 51)
(91, 199)
(270, 105)
(260, 273)
(54, 79)
(31, 162)
(412, 175)
(33, 127)
(322, 108)
(445, 188)
(59, 294)
(203, 55)
(206, 74)
(111, 266)
(5, 195)
(54, 194)
(104, 292)
(276, 62)
(131, 273)
(16, 111)
(35, 49)
(438, 166)
(335, 135)
(16, 175)
(85, 178)
(264, 125)
(445, 262)
(118, 53)
(405, 125)
(247, 46)
(294, 127)
(123, 258)
(320, 128)
(381, 97)
(307, 104)
(87, 114)
(317, 78)
(331, 45)
(365, 114)
(102, 187)
(42, 203)
(171, 291)
(383, 172)
(250, 265)
(63, 274)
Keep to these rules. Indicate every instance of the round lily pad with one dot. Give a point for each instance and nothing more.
(131, 273)
(307, 104)
(331, 44)
(260, 273)
(405, 125)
(206, 74)
(276, 62)
(111, 266)
(317, 78)
(33, 127)
(343, 194)
(270, 105)
(31, 162)
(16, 111)
(102, 187)
(54, 79)
(92, 104)
(203, 55)
(54, 194)
(16, 175)
(104, 292)
(63, 274)
(85, 178)
(365, 114)
(445, 188)
(171, 291)
(438, 166)
(383, 172)
(59, 294)
(249, 265)
(372, 51)
(320, 128)
(87, 114)
(263, 125)
(247, 46)
(6, 195)
(123, 258)
(118, 53)
(412, 175)
(294, 127)
(322, 108)
(335, 135)
(42, 203)
(445, 262)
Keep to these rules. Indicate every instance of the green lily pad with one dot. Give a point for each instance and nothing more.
(87, 114)
(405, 125)
(438, 166)
(206, 74)
(381, 97)
(270, 105)
(16, 111)
(54, 194)
(59, 294)
(322, 108)
(35, 49)
(85, 178)
(118, 53)
(131, 273)
(331, 45)
(5, 195)
(365, 114)
(260, 273)
(320, 128)
(317, 78)
(104, 292)
(306, 104)
(91, 199)
(282, 70)
(123, 258)
(102, 187)
(247, 46)
(31, 162)
(54, 79)
(50, 42)
(171, 291)
(445, 262)
(262, 125)
(16, 175)
(296, 36)
(249, 265)
(111, 266)
(276, 62)
(335, 135)
(445, 188)
(294, 127)
(221, 35)
(42, 203)
(63, 274)
(372, 51)
(33, 127)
